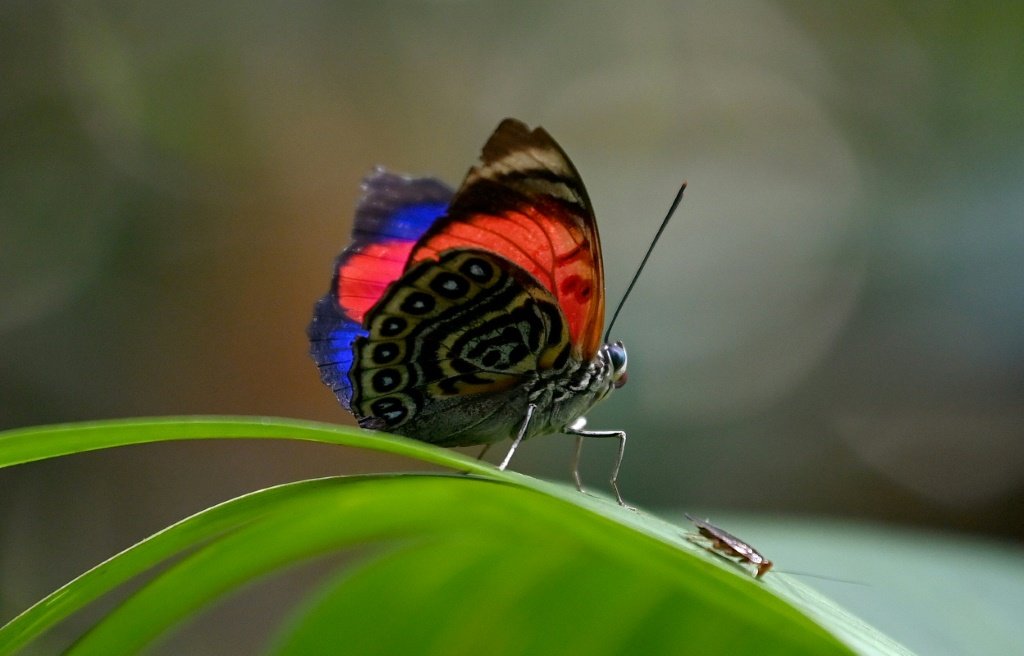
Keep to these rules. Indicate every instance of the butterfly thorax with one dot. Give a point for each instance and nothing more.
(562, 398)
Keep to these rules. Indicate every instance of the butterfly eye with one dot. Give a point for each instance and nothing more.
(617, 357)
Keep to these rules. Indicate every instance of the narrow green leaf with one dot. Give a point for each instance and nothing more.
(619, 534)
(22, 445)
(552, 536)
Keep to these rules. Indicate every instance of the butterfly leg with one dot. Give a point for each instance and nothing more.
(519, 436)
(576, 463)
(576, 428)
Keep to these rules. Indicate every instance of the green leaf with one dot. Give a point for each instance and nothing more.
(23, 445)
(501, 562)
(553, 536)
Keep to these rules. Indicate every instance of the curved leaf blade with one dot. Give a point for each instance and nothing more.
(24, 445)
(454, 512)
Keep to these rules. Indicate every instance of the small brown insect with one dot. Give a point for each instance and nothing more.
(731, 546)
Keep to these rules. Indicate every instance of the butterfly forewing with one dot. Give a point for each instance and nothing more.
(526, 202)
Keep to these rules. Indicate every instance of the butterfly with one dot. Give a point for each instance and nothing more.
(474, 316)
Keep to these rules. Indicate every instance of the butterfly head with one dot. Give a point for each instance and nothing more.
(615, 356)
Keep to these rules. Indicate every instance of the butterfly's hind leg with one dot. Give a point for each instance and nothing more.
(530, 409)
(576, 428)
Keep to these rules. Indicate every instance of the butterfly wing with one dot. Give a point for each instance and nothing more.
(451, 346)
(526, 202)
(442, 318)
(393, 213)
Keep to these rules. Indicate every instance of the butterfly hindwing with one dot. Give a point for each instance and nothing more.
(450, 334)
(526, 202)
(393, 213)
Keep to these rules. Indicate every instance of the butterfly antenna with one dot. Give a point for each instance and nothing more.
(643, 263)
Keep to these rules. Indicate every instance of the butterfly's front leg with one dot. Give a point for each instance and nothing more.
(530, 409)
(577, 428)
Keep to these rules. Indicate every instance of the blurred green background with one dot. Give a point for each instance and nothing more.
(831, 326)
